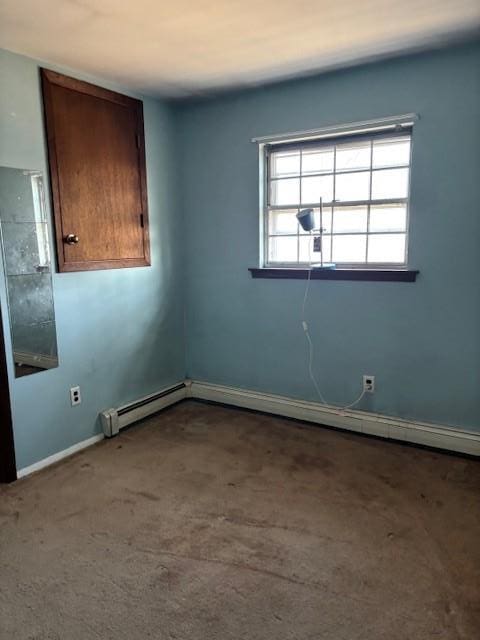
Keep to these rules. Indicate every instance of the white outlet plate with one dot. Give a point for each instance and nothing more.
(75, 396)
(369, 384)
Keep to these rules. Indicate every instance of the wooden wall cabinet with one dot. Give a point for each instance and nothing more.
(96, 152)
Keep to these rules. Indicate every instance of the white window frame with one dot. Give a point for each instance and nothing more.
(330, 136)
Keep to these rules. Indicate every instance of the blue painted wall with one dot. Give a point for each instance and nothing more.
(422, 340)
(120, 332)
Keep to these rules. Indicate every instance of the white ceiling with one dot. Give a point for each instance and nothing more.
(195, 46)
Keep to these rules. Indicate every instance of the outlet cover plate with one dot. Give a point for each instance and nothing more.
(75, 396)
(369, 384)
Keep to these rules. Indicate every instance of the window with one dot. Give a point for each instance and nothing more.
(362, 183)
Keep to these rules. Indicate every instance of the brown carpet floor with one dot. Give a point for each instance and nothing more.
(214, 524)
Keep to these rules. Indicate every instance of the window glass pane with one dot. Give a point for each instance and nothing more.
(305, 248)
(285, 163)
(386, 248)
(353, 155)
(390, 183)
(350, 219)
(282, 249)
(365, 170)
(285, 191)
(307, 254)
(388, 218)
(281, 222)
(352, 186)
(317, 160)
(326, 220)
(391, 153)
(317, 187)
(349, 248)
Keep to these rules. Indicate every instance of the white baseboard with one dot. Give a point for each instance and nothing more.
(46, 462)
(153, 405)
(441, 437)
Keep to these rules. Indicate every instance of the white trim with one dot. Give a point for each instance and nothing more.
(136, 414)
(441, 437)
(342, 129)
(46, 462)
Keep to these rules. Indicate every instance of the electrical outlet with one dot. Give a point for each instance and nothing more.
(75, 397)
(369, 384)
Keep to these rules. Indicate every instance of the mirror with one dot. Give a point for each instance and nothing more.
(27, 266)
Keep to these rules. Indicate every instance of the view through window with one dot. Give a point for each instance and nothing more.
(363, 184)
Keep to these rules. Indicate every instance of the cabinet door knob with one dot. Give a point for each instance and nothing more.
(71, 239)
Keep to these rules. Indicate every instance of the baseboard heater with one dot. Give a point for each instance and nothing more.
(389, 427)
(115, 419)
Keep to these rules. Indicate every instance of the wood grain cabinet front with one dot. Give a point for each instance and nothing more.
(96, 152)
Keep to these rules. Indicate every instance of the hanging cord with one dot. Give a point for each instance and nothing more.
(310, 344)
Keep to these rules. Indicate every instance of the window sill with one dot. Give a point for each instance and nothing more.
(366, 275)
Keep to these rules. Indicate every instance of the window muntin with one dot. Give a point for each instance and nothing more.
(364, 185)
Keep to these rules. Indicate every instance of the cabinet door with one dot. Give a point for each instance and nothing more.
(97, 167)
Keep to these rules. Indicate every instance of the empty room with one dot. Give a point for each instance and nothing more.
(240, 320)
